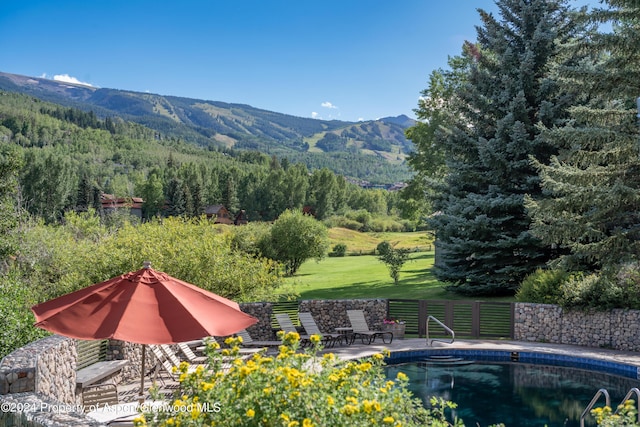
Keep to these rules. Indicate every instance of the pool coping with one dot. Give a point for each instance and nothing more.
(615, 362)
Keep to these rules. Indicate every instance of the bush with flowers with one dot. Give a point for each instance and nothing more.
(626, 415)
(293, 388)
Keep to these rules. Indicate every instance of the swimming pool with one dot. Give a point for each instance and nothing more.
(518, 389)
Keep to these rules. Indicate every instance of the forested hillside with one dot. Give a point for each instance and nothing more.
(376, 150)
(71, 157)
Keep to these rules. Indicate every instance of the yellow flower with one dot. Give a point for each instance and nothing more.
(315, 339)
(378, 356)
(388, 420)
(402, 376)
(307, 423)
(364, 367)
(285, 417)
(330, 401)
(139, 421)
(349, 409)
(293, 424)
(239, 339)
(251, 413)
(267, 390)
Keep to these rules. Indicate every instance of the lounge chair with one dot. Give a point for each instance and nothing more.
(190, 355)
(286, 325)
(242, 351)
(165, 361)
(361, 328)
(247, 341)
(311, 327)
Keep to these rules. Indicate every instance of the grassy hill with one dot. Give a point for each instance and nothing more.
(365, 243)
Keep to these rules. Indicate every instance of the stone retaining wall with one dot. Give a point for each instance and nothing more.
(616, 329)
(331, 314)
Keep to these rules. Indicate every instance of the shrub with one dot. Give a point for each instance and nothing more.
(339, 250)
(582, 291)
(626, 415)
(542, 286)
(293, 389)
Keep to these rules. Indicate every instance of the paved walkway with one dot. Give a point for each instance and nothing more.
(129, 392)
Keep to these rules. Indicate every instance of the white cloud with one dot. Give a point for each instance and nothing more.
(314, 115)
(360, 119)
(68, 79)
(327, 104)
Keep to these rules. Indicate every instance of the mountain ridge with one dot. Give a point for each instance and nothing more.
(215, 122)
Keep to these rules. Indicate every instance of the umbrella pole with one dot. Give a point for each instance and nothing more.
(141, 395)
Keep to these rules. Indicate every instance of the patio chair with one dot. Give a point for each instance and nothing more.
(97, 396)
(247, 341)
(286, 325)
(245, 352)
(361, 328)
(311, 327)
(190, 355)
(165, 361)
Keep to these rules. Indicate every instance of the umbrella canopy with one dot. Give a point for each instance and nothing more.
(145, 307)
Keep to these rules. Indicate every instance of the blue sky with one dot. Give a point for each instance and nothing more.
(330, 59)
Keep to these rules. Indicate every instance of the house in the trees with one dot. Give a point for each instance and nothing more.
(111, 203)
(220, 213)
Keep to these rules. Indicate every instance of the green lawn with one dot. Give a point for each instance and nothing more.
(367, 277)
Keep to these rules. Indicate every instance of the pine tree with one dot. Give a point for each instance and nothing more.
(483, 241)
(593, 212)
(175, 198)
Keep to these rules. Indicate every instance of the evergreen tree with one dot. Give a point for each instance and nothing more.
(85, 194)
(483, 241)
(593, 212)
(175, 198)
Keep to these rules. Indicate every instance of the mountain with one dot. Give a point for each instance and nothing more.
(220, 124)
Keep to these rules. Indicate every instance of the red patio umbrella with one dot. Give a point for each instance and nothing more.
(144, 307)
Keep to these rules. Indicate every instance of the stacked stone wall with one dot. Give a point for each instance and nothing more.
(537, 323)
(616, 329)
(331, 314)
(261, 331)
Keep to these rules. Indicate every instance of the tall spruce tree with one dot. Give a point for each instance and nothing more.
(593, 212)
(484, 246)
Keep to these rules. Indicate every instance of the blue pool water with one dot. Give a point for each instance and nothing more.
(514, 393)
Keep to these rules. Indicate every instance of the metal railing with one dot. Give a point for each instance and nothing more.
(607, 402)
(445, 327)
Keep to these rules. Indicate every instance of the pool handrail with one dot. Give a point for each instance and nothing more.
(607, 402)
(445, 327)
(633, 390)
